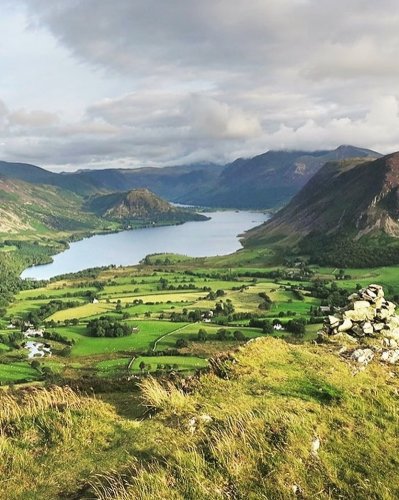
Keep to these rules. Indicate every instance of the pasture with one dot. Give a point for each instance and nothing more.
(157, 303)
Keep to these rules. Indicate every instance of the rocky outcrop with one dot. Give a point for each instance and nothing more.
(368, 327)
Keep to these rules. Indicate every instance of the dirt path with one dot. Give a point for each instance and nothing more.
(166, 335)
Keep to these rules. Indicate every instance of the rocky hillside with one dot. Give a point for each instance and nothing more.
(138, 204)
(349, 197)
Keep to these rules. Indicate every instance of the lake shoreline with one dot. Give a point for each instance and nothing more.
(77, 237)
(220, 235)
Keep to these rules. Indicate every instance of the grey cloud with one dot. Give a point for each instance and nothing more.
(213, 80)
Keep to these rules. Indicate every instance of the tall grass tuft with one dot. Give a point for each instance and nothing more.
(165, 397)
(138, 483)
(35, 401)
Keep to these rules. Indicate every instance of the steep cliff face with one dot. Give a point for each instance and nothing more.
(351, 196)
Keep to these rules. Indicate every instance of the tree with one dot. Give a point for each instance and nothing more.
(222, 334)
(296, 327)
(202, 335)
(238, 335)
(180, 343)
(267, 327)
(35, 364)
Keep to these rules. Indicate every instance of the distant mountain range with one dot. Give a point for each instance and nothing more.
(262, 182)
(271, 179)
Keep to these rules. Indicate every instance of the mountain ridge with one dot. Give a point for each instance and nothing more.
(352, 196)
(264, 181)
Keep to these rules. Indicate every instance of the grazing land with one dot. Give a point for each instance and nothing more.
(181, 310)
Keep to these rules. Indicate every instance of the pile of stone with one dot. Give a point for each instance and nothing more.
(369, 320)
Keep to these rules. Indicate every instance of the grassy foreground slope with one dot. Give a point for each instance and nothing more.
(248, 434)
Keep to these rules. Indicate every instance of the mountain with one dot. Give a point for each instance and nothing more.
(176, 183)
(347, 206)
(265, 181)
(37, 175)
(36, 209)
(139, 205)
(270, 179)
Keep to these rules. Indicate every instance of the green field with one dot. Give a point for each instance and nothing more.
(16, 372)
(83, 311)
(154, 301)
(149, 332)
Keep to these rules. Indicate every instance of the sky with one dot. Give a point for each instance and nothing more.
(132, 83)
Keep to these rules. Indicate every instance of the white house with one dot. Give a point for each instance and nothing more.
(32, 332)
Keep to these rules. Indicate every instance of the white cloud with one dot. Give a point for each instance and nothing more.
(33, 119)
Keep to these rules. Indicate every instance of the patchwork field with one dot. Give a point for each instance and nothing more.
(176, 314)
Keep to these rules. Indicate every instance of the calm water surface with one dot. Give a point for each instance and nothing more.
(218, 236)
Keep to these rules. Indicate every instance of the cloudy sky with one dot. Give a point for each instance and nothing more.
(129, 83)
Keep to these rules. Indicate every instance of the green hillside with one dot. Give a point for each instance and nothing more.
(34, 209)
(139, 205)
(271, 421)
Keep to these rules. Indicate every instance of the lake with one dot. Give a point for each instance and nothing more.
(217, 236)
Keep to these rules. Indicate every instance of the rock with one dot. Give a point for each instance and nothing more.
(345, 326)
(363, 356)
(206, 419)
(368, 328)
(391, 343)
(357, 330)
(192, 425)
(361, 304)
(392, 334)
(382, 313)
(315, 445)
(391, 357)
(368, 315)
(334, 322)
(364, 314)
(297, 490)
(377, 288)
(393, 322)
